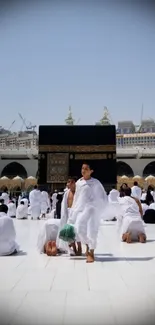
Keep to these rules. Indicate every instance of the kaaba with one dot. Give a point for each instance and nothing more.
(63, 149)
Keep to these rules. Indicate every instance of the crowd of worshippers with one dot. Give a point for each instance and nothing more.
(76, 214)
(36, 204)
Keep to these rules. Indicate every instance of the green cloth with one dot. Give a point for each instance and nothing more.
(67, 233)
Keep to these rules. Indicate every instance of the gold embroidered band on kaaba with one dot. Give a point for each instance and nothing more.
(79, 149)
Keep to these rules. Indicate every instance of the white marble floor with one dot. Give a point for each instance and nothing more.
(119, 288)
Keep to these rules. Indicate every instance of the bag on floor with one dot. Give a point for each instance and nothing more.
(67, 234)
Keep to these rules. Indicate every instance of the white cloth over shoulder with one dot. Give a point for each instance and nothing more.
(49, 231)
(113, 196)
(8, 243)
(54, 200)
(144, 207)
(25, 200)
(143, 196)
(45, 202)
(11, 209)
(152, 206)
(131, 220)
(5, 197)
(35, 203)
(22, 212)
(136, 192)
(89, 203)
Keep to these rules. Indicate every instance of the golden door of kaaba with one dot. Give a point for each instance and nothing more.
(63, 149)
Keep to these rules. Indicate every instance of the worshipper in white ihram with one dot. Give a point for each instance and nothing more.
(113, 203)
(8, 245)
(5, 196)
(12, 209)
(35, 203)
(47, 237)
(22, 211)
(144, 207)
(54, 200)
(136, 191)
(131, 223)
(45, 203)
(89, 203)
(74, 248)
(25, 200)
(113, 195)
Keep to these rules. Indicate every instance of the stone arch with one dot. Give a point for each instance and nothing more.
(13, 169)
(124, 169)
(149, 169)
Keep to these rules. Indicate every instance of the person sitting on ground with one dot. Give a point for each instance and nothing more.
(8, 245)
(22, 211)
(132, 225)
(12, 209)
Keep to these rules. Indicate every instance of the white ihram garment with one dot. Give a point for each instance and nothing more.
(131, 220)
(45, 202)
(54, 200)
(5, 197)
(113, 206)
(35, 203)
(153, 194)
(143, 197)
(22, 212)
(113, 196)
(11, 209)
(144, 207)
(152, 206)
(49, 231)
(8, 243)
(89, 203)
(26, 202)
(136, 192)
(65, 212)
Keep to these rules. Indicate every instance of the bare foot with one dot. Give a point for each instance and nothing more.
(142, 238)
(128, 238)
(124, 237)
(90, 258)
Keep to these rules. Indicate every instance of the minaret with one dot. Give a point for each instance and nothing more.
(105, 120)
(69, 120)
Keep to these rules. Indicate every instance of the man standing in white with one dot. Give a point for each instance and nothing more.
(88, 207)
(136, 191)
(45, 203)
(35, 203)
(54, 200)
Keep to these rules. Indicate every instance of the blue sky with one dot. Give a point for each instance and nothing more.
(87, 54)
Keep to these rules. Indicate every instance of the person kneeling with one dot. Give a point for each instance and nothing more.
(8, 245)
(132, 226)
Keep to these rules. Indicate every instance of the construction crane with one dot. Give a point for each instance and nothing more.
(30, 127)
